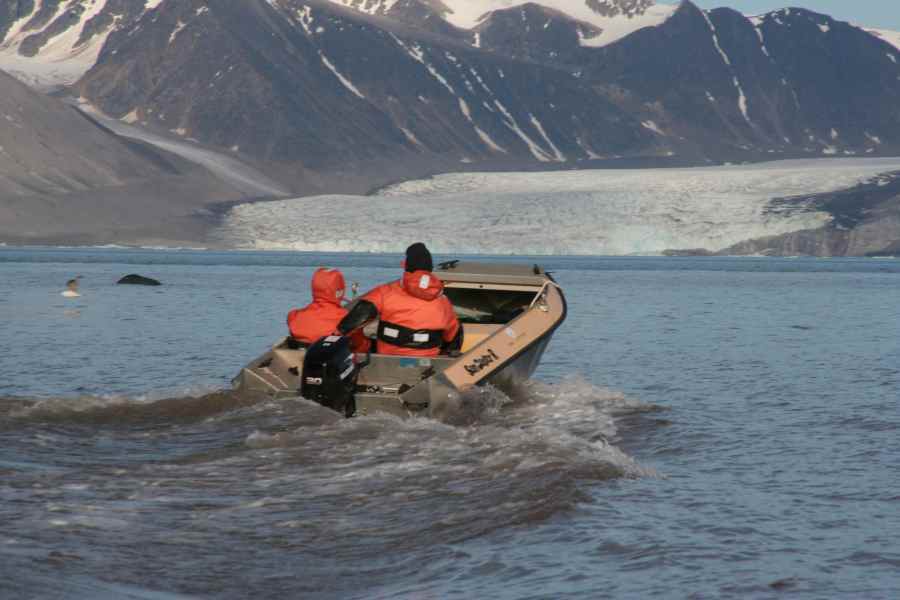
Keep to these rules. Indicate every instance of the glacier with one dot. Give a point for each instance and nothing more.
(586, 212)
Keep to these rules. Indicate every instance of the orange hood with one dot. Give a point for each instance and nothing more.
(328, 286)
(423, 284)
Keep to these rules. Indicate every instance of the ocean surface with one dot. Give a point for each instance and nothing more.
(699, 427)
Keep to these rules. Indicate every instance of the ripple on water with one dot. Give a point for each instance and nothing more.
(215, 466)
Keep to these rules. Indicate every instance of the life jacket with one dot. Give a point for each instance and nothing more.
(416, 317)
(321, 317)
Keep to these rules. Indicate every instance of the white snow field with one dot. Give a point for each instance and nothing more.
(61, 61)
(596, 212)
(467, 14)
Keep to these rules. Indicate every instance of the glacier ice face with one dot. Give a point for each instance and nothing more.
(595, 212)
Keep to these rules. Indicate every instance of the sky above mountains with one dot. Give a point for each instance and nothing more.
(880, 14)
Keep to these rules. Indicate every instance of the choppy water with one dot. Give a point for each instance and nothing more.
(698, 428)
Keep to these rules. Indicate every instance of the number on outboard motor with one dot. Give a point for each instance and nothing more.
(329, 374)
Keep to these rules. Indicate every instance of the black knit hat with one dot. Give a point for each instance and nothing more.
(418, 258)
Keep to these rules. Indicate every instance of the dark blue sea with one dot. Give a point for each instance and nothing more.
(699, 428)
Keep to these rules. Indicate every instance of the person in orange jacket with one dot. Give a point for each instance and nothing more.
(416, 318)
(322, 315)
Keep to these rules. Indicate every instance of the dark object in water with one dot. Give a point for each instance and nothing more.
(784, 584)
(135, 279)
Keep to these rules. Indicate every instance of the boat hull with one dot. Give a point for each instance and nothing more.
(502, 354)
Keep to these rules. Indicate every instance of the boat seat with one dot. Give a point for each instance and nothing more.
(392, 371)
(473, 334)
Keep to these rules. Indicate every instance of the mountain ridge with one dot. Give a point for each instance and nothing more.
(330, 98)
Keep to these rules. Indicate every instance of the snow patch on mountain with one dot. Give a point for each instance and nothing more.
(762, 40)
(891, 37)
(652, 126)
(61, 61)
(513, 126)
(599, 212)
(340, 77)
(179, 26)
(873, 138)
(65, 56)
(467, 14)
(742, 98)
(613, 18)
(370, 7)
(557, 155)
(412, 137)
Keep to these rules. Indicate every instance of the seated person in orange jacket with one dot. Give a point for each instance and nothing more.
(321, 317)
(416, 318)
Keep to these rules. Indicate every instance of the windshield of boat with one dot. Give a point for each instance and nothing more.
(488, 306)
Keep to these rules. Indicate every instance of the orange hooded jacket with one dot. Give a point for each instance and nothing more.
(416, 302)
(321, 317)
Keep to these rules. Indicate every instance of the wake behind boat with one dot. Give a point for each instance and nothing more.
(508, 314)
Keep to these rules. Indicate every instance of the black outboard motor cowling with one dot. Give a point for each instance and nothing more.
(329, 374)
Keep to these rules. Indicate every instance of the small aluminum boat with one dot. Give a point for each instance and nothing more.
(508, 313)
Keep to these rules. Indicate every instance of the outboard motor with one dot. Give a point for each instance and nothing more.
(329, 374)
